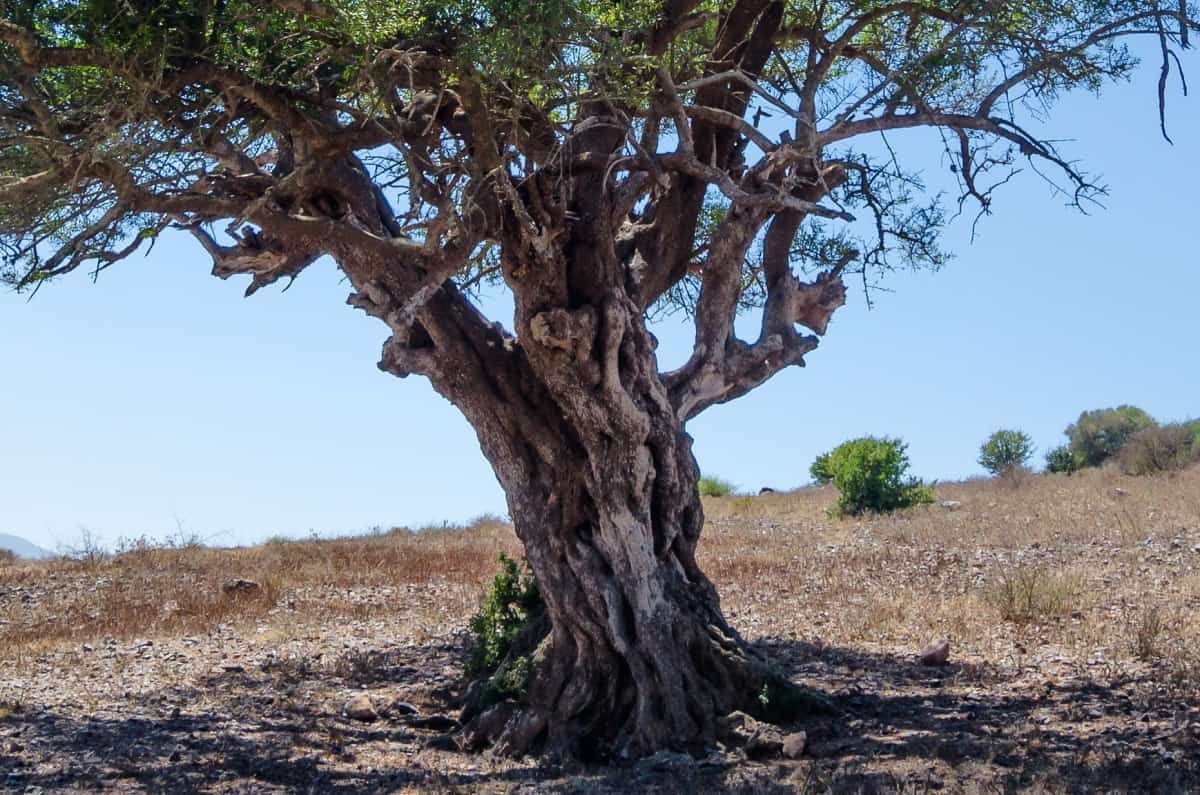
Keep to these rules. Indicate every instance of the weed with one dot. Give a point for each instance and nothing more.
(1030, 593)
(1146, 630)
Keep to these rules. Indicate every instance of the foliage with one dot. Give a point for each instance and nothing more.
(1100, 434)
(511, 602)
(870, 475)
(1159, 449)
(1005, 450)
(1063, 459)
(820, 471)
(715, 487)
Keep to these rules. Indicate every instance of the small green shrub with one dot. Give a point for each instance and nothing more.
(1005, 451)
(820, 471)
(1063, 460)
(1099, 435)
(1158, 449)
(512, 601)
(870, 475)
(715, 487)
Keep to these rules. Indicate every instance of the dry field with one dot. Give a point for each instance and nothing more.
(1072, 606)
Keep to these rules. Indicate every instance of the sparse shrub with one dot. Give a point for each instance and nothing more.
(1146, 630)
(1099, 435)
(511, 603)
(88, 550)
(1005, 451)
(1064, 460)
(1029, 593)
(1158, 449)
(870, 475)
(715, 487)
(7, 557)
(820, 471)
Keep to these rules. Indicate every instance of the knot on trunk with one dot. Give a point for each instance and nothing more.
(813, 303)
(573, 333)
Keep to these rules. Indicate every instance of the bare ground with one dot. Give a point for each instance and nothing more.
(1072, 606)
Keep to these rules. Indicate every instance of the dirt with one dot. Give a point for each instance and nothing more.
(1056, 704)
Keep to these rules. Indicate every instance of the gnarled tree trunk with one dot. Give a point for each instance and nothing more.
(603, 493)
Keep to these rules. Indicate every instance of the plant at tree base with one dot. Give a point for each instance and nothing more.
(604, 162)
(1005, 451)
(871, 475)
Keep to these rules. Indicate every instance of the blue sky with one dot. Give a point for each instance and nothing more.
(159, 398)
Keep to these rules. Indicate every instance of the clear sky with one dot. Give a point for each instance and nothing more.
(159, 398)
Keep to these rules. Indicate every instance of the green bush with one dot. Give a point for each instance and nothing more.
(715, 487)
(1158, 449)
(820, 470)
(870, 476)
(1063, 459)
(1005, 451)
(510, 605)
(1099, 435)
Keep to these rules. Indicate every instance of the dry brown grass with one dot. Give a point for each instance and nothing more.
(1053, 560)
(147, 591)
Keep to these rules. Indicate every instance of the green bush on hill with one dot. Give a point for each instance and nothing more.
(715, 487)
(870, 475)
(1063, 460)
(1100, 434)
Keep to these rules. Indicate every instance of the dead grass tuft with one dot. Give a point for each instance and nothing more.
(1026, 593)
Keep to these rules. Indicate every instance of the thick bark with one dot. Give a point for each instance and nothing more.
(639, 656)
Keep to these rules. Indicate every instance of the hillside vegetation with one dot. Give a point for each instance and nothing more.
(1071, 603)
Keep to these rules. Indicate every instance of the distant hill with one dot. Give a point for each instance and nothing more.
(23, 548)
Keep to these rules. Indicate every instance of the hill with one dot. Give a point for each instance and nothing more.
(22, 548)
(1072, 607)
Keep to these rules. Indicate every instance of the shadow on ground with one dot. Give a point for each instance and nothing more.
(900, 727)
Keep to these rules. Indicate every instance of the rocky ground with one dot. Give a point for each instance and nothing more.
(1074, 660)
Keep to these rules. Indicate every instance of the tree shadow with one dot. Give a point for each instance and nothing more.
(902, 724)
(899, 726)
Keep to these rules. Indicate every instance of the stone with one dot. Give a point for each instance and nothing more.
(936, 653)
(360, 708)
(437, 723)
(794, 743)
(951, 505)
(240, 587)
(759, 740)
(442, 742)
(667, 760)
(404, 708)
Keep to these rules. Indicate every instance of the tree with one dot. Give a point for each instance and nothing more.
(1005, 451)
(601, 161)
(1100, 434)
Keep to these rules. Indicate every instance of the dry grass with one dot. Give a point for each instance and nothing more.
(1053, 560)
(148, 591)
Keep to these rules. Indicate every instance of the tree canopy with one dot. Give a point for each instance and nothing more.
(735, 142)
